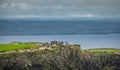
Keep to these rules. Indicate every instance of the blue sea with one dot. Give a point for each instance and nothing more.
(78, 27)
(87, 33)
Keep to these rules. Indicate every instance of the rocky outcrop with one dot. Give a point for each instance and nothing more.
(68, 57)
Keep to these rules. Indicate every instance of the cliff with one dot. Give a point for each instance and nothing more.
(64, 57)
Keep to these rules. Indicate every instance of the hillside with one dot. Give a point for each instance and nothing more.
(62, 57)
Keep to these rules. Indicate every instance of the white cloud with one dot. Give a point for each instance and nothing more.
(32, 16)
(23, 16)
(83, 15)
(29, 16)
(23, 6)
(88, 15)
(57, 16)
(13, 5)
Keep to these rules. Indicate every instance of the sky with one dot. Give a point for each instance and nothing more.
(59, 8)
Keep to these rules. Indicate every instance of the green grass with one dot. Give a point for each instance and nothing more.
(102, 51)
(9, 47)
(55, 48)
(105, 50)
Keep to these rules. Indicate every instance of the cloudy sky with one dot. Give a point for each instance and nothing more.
(59, 8)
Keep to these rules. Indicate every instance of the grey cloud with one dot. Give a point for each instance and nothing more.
(60, 7)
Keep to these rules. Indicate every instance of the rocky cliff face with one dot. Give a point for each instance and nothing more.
(65, 58)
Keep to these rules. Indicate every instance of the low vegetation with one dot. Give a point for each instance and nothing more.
(16, 46)
(103, 51)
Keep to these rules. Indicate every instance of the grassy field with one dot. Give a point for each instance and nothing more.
(101, 51)
(109, 50)
(18, 46)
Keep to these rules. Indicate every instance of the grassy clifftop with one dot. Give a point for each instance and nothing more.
(103, 51)
(17, 46)
(63, 57)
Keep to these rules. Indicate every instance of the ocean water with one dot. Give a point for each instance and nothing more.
(87, 33)
(29, 27)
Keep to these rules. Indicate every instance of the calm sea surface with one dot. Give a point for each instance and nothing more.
(88, 33)
(28, 27)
